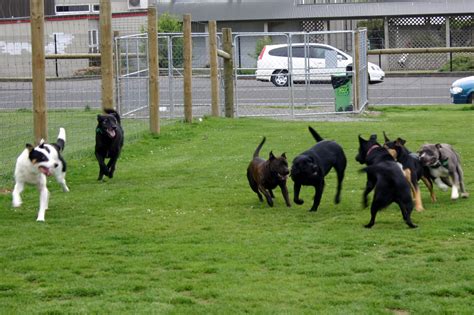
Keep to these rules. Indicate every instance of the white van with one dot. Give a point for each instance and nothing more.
(313, 62)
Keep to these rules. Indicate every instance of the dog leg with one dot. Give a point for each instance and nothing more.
(418, 202)
(369, 186)
(406, 214)
(454, 192)
(16, 194)
(464, 193)
(296, 198)
(284, 192)
(317, 195)
(340, 178)
(266, 194)
(429, 184)
(103, 170)
(111, 167)
(61, 179)
(441, 184)
(271, 193)
(373, 213)
(44, 201)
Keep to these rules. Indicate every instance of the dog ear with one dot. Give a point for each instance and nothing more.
(438, 145)
(99, 118)
(283, 155)
(385, 137)
(361, 140)
(373, 137)
(400, 141)
(272, 157)
(29, 147)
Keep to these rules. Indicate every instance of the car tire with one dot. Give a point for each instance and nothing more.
(280, 78)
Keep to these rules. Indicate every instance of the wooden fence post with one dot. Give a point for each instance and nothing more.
(106, 51)
(228, 72)
(40, 121)
(188, 70)
(213, 63)
(153, 71)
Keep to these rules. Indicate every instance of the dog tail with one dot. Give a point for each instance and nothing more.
(114, 113)
(61, 142)
(257, 151)
(315, 134)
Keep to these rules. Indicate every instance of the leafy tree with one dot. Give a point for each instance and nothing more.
(168, 23)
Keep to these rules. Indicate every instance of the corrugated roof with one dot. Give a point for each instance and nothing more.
(287, 9)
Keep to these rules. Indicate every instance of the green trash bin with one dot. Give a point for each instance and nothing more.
(342, 85)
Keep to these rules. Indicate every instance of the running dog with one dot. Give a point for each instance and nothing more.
(109, 139)
(444, 166)
(386, 176)
(412, 168)
(34, 165)
(266, 175)
(310, 167)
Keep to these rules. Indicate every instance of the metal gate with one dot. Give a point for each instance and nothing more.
(308, 61)
(132, 78)
(296, 74)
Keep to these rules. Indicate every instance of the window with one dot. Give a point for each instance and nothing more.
(279, 52)
(72, 9)
(93, 41)
(298, 52)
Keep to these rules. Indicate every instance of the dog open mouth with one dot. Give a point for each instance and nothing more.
(111, 132)
(46, 171)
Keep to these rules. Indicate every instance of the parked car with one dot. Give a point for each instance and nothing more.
(462, 91)
(272, 64)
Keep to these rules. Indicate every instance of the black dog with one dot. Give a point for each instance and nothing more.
(310, 167)
(264, 175)
(412, 168)
(386, 176)
(108, 142)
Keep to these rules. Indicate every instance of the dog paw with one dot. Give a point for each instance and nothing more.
(464, 195)
(40, 220)
(368, 226)
(299, 201)
(16, 204)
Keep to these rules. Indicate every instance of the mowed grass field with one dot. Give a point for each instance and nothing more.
(179, 231)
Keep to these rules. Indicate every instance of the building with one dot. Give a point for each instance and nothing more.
(71, 26)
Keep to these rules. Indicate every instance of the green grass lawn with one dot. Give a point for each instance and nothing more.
(179, 231)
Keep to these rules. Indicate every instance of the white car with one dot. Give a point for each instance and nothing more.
(321, 61)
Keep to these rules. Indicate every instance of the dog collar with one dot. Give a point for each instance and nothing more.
(443, 163)
(372, 148)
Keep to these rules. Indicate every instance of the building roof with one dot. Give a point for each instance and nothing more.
(248, 10)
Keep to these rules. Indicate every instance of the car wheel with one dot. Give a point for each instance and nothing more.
(280, 78)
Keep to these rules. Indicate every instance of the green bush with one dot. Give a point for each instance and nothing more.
(460, 63)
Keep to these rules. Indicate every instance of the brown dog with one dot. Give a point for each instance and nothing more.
(265, 175)
(413, 169)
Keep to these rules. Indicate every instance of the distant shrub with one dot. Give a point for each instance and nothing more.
(460, 63)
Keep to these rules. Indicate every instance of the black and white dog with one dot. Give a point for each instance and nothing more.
(34, 165)
(108, 142)
(445, 167)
